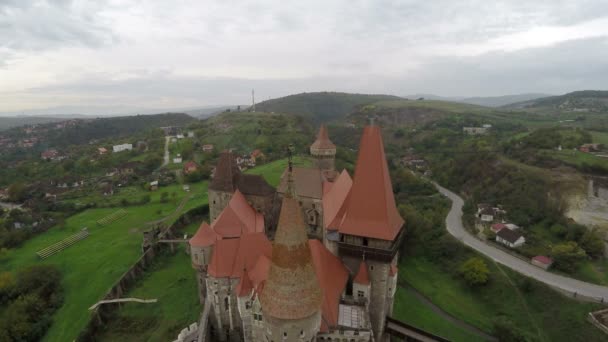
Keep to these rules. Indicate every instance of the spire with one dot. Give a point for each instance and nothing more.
(226, 173)
(322, 141)
(362, 276)
(370, 208)
(292, 289)
(291, 192)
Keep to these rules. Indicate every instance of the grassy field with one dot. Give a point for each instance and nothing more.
(91, 266)
(541, 313)
(272, 171)
(600, 137)
(410, 309)
(172, 281)
(577, 158)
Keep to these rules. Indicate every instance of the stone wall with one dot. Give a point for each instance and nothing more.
(218, 200)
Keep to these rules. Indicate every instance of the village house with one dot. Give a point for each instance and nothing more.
(128, 168)
(177, 159)
(190, 167)
(587, 148)
(180, 136)
(154, 185)
(208, 148)
(102, 151)
(51, 154)
(257, 154)
(69, 182)
(510, 238)
(542, 261)
(486, 213)
(190, 134)
(122, 147)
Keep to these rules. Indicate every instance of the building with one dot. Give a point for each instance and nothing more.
(496, 227)
(154, 185)
(334, 287)
(122, 147)
(51, 154)
(190, 167)
(102, 151)
(207, 148)
(542, 261)
(190, 134)
(177, 159)
(510, 238)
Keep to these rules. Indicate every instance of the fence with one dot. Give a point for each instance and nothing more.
(113, 217)
(104, 313)
(63, 244)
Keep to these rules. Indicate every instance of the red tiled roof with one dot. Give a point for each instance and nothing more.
(334, 199)
(231, 256)
(238, 218)
(244, 287)
(190, 164)
(543, 259)
(362, 276)
(370, 207)
(333, 277)
(292, 290)
(204, 236)
(322, 141)
(498, 226)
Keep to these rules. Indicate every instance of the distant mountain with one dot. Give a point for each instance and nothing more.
(499, 101)
(7, 122)
(70, 112)
(577, 101)
(433, 97)
(321, 106)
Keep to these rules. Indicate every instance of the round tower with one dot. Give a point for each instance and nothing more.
(291, 298)
(323, 151)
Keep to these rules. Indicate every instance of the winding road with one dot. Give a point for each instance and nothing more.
(455, 228)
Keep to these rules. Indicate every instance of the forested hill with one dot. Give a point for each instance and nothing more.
(7, 122)
(321, 106)
(584, 100)
(100, 128)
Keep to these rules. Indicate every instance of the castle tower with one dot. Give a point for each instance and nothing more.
(291, 298)
(223, 184)
(323, 151)
(201, 247)
(371, 228)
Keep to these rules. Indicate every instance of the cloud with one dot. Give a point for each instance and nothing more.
(183, 53)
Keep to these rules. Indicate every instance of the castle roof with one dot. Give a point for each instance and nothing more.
(334, 198)
(308, 182)
(333, 277)
(228, 178)
(362, 276)
(244, 287)
(322, 142)
(238, 218)
(292, 289)
(231, 256)
(370, 208)
(204, 236)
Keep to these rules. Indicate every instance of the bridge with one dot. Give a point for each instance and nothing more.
(406, 332)
(122, 300)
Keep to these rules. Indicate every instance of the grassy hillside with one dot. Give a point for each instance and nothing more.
(322, 106)
(581, 101)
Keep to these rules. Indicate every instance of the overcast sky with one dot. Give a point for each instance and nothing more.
(164, 54)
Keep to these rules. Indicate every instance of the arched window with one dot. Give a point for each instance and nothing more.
(226, 305)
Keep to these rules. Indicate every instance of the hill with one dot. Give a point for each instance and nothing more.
(7, 122)
(499, 101)
(577, 101)
(321, 106)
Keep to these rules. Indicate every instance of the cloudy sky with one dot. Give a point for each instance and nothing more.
(170, 54)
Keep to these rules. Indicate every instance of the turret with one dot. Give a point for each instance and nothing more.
(201, 247)
(291, 298)
(323, 151)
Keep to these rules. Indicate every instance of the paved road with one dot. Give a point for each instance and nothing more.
(456, 229)
(166, 157)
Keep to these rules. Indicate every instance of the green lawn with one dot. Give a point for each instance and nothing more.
(600, 138)
(540, 312)
(577, 158)
(410, 309)
(272, 171)
(91, 266)
(172, 281)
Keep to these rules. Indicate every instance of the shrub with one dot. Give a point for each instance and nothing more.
(474, 271)
(567, 256)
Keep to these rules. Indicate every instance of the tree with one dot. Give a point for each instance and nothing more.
(567, 256)
(474, 271)
(592, 243)
(164, 197)
(17, 192)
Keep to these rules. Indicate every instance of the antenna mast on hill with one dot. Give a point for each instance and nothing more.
(253, 99)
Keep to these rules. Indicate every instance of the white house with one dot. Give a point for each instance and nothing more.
(123, 147)
(510, 238)
(190, 134)
(180, 136)
(177, 159)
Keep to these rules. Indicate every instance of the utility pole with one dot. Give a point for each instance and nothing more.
(253, 99)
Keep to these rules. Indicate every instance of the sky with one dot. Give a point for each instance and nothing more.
(114, 55)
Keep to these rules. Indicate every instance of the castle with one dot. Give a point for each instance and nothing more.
(330, 273)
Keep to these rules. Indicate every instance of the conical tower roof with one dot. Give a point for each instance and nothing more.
(292, 289)
(370, 207)
(322, 142)
(226, 173)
